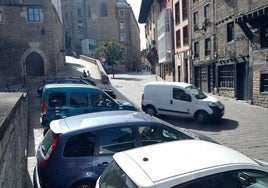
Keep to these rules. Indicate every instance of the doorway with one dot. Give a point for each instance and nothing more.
(34, 65)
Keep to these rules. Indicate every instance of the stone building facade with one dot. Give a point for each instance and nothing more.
(32, 40)
(159, 34)
(202, 43)
(228, 42)
(90, 23)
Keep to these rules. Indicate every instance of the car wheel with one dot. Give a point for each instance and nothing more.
(201, 117)
(84, 184)
(150, 110)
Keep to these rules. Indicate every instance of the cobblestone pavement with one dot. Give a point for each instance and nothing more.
(243, 127)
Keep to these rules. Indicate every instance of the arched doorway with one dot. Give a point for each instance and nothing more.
(34, 65)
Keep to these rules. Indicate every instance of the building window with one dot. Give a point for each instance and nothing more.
(226, 76)
(204, 74)
(207, 46)
(195, 1)
(264, 37)
(80, 24)
(230, 31)
(80, 36)
(177, 13)
(122, 25)
(264, 82)
(103, 10)
(79, 12)
(33, 14)
(122, 37)
(195, 21)
(184, 9)
(185, 36)
(196, 49)
(207, 12)
(121, 13)
(89, 11)
(1, 18)
(178, 39)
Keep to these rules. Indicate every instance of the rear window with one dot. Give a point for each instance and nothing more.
(57, 99)
(48, 140)
(80, 145)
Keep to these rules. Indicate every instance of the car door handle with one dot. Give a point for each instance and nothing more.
(171, 101)
(104, 164)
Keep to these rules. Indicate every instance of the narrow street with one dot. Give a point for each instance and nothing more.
(243, 127)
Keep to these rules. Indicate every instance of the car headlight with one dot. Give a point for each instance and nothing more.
(212, 104)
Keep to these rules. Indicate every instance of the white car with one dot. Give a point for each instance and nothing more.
(184, 164)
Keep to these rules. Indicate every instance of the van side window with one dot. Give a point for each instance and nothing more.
(99, 100)
(57, 99)
(179, 94)
(79, 99)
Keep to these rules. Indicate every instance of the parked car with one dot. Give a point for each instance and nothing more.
(64, 100)
(76, 150)
(180, 99)
(184, 164)
(72, 80)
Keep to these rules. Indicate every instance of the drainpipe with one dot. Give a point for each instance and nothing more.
(250, 72)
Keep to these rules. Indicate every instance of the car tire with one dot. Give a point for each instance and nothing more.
(201, 117)
(83, 184)
(150, 110)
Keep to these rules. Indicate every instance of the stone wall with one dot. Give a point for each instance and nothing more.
(13, 139)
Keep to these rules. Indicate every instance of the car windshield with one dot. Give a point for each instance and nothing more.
(114, 176)
(196, 92)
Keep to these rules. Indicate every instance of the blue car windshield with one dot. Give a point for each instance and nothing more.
(196, 92)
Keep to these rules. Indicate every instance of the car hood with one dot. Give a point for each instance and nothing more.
(126, 105)
(210, 99)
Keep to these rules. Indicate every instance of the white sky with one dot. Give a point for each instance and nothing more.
(135, 4)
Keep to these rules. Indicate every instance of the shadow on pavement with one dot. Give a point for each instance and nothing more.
(214, 126)
(125, 78)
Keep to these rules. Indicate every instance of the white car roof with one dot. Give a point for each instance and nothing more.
(150, 164)
(180, 84)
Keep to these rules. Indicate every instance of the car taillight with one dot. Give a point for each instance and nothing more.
(50, 151)
(44, 108)
(142, 97)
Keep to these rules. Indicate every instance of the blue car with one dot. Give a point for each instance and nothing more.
(64, 100)
(76, 150)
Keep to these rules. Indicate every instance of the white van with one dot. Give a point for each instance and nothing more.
(180, 99)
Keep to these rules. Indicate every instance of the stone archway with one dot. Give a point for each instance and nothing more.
(34, 64)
